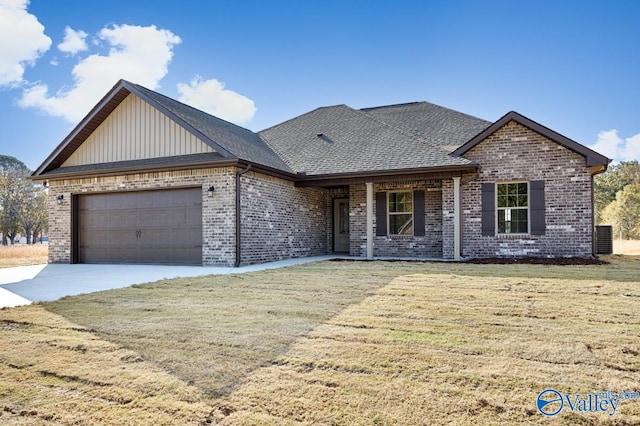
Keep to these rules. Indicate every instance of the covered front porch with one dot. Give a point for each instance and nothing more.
(416, 218)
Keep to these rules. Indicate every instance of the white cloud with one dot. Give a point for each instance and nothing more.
(631, 150)
(74, 41)
(22, 40)
(138, 54)
(611, 145)
(211, 96)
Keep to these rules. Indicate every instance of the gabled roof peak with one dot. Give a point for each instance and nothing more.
(229, 140)
(592, 158)
(394, 105)
(306, 114)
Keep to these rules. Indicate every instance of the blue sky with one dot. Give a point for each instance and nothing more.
(573, 66)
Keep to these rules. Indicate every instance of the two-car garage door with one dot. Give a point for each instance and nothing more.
(140, 227)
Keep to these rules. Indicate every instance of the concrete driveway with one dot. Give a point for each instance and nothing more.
(41, 283)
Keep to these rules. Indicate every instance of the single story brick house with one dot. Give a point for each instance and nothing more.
(144, 178)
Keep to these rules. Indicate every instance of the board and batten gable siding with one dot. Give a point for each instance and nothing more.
(559, 182)
(136, 131)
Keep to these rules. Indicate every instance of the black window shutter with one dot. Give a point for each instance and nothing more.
(381, 214)
(488, 209)
(536, 207)
(418, 214)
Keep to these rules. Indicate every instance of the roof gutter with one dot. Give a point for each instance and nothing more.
(379, 176)
(128, 170)
(238, 225)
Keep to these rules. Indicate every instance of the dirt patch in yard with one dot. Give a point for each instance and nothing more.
(538, 261)
(499, 261)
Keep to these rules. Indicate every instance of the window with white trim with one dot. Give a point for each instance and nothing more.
(400, 213)
(513, 207)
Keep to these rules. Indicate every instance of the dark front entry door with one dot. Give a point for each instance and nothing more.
(341, 225)
(141, 227)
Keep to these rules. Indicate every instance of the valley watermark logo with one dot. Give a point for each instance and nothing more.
(551, 402)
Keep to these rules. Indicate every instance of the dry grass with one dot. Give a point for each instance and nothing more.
(23, 255)
(434, 349)
(628, 247)
(213, 331)
(54, 371)
(330, 343)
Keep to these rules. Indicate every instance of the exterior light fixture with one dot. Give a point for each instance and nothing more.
(60, 198)
(210, 191)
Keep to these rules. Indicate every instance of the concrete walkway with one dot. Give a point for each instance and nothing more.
(40, 283)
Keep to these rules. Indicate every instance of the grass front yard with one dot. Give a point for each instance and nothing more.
(330, 343)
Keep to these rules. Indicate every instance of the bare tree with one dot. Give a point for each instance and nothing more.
(41, 213)
(27, 213)
(21, 200)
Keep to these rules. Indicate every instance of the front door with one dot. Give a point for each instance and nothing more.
(341, 225)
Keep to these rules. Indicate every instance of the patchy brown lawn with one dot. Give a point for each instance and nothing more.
(54, 371)
(444, 349)
(330, 343)
(23, 255)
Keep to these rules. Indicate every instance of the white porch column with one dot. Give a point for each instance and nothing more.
(457, 215)
(369, 220)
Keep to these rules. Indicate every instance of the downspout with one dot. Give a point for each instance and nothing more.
(238, 226)
(593, 219)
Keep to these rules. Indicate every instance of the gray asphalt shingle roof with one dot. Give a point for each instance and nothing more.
(437, 125)
(237, 141)
(340, 139)
(326, 141)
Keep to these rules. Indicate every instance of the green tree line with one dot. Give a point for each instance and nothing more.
(617, 196)
(23, 203)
